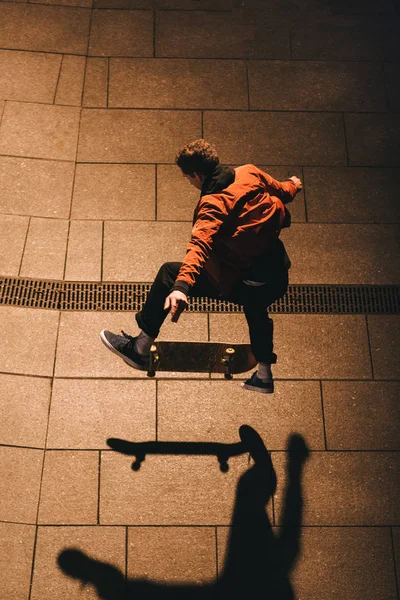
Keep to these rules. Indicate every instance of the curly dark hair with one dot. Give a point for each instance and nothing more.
(197, 157)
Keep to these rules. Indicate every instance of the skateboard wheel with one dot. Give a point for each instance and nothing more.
(230, 351)
(228, 376)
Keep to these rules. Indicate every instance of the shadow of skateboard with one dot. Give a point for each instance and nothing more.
(201, 357)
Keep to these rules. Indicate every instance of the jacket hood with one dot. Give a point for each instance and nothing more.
(220, 178)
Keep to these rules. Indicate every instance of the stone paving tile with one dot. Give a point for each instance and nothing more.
(177, 199)
(167, 490)
(173, 555)
(334, 562)
(16, 554)
(106, 544)
(392, 73)
(317, 253)
(121, 33)
(308, 85)
(384, 335)
(373, 140)
(39, 131)
(155, 243)
(44, 254)
(117, 135)
(241, 137)
(69, 491)
(116, 192)
(38, 330)
(361, 415)
(211, 411)
(351, 195)
(98, 409)
(44, 28)
(346, 488)
(218, 35)
(96, 82)
(344, 43)
(81, 3)
(24, 405)
(19, 485)
(37, 188)
(396, 544)
(28, 76)
(83, 261)
(70, 85)
(86, 356)
(308, 346)
(177, 83)
(13, 231)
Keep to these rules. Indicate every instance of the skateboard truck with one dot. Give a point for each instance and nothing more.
(153, 361)
(227, 360)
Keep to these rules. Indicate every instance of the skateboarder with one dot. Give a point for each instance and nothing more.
(234, 254)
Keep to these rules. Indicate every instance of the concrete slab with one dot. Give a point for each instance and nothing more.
(351, 562)
(317, 251)
(38, 330)
(392, 73)
(241, 137)
(70, 85)
(384, 335)
(173, 490)
(351, 195)
(175, 197)
(202, 34)
(121, 33)
(16, 554)
(125, 242)
(330, 42)
(117, 135)
(69, 490)
(24, 403)
(114, 192)
(39, 131)
(310, 85)
(86, 356)
(177, 83)
(44, 28)
(373, 140)
(95, 91)
(346, 488)
(13, 232)
(83, 261)
(361, 415)
(172, 555)
(98, 409)
(21, 470)
(105, 544)
(214, 410)
(36, 188)
(28, 76)
(45, 249)
(308, 346)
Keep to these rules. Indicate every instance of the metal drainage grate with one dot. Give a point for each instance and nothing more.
(76, 296)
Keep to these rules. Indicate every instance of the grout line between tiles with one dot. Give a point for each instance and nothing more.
(216, 554)
(345, 139)
(108, 82)
(98, 488)
(102, 252)
(155, 192)
(396, 567)
(126, 552)
(369, 348)
(156, 415)
(154, 33)
(248, 86)
(24, 246)
(58, 79)
(33, 562)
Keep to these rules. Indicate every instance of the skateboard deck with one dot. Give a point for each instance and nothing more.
(201, 357)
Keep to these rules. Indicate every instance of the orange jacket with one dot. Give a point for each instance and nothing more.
(234, 227)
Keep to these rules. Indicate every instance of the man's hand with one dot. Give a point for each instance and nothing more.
(297, 182)
(177, 302)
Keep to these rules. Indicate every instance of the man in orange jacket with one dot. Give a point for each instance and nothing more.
(234, 254)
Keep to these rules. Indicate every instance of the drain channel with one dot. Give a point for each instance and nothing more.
(99, 296)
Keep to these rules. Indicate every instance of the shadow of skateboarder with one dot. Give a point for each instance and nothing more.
(258, 560)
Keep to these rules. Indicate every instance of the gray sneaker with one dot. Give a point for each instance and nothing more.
(258, 385)
(123, 345)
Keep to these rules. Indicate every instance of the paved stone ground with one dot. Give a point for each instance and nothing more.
(95, 98)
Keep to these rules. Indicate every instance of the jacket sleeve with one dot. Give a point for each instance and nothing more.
(284, 190)
(212, 213)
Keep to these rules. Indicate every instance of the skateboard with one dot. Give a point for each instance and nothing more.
(201, 357)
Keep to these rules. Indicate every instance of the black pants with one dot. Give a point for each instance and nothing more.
(254, 300)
